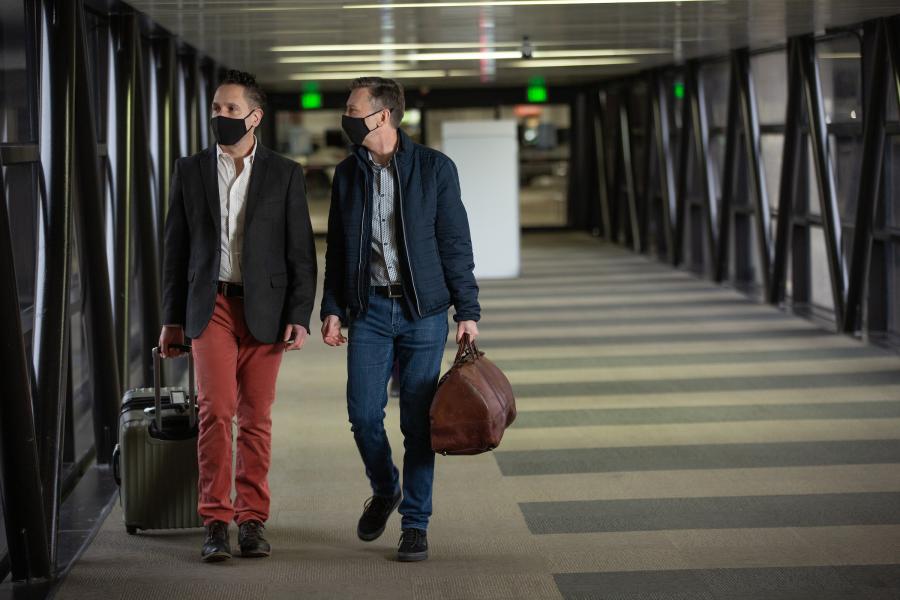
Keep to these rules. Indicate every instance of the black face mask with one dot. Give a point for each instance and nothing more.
(228, 131)
(356, 128)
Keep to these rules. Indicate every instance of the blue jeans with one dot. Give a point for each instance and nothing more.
(375, 338)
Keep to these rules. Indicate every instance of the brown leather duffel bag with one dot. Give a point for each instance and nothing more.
(473, 405)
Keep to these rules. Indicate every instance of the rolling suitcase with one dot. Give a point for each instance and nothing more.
(155, 461)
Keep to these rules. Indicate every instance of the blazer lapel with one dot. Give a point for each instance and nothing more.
(209, 172)
(257, 180)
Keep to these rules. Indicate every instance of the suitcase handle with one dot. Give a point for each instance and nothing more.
(157, 402)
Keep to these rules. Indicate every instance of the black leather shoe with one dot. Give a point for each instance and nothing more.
(375, 516)
(413, 545)
(215, 546)
(251, 540)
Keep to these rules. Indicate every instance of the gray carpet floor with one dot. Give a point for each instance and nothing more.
(675, 441)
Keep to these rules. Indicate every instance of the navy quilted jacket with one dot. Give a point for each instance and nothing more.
(435, 247)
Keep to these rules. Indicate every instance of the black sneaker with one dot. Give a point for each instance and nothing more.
(413, 545)
(215, 546)
(375, 516)
(251, 540)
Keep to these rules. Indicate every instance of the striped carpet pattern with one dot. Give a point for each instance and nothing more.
(674, 441)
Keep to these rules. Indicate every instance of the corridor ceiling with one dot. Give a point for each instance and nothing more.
(287, 43)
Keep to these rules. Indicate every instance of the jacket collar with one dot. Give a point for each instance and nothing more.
(210, 177)
(403, 155)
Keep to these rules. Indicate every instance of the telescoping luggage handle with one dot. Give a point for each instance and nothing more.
(157, 402)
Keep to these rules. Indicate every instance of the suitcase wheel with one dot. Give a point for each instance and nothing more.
(131, 529)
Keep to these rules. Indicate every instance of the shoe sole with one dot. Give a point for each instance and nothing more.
(374, 536)
(216, 557)
(412, 556)
(257, 554)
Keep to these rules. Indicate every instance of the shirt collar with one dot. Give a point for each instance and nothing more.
(250, 157)
(376, 165)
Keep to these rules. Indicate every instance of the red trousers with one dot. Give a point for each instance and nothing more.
(235, 377)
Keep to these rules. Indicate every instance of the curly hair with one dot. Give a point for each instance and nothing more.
(254, 94)
(385, 93)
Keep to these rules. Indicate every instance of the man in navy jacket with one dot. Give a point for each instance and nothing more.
(399, 255)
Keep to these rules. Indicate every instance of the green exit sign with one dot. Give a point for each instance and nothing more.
(311, 98)
(537, 90)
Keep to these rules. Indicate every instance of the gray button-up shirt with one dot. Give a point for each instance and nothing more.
(385, 262)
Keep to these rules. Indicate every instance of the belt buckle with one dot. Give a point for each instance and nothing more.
(391, 293)
(225, 286)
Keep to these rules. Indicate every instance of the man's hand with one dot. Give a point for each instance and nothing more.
(294, 337)
(331, 331)
(170, 334)
(464, 327)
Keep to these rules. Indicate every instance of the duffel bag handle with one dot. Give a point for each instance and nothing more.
(157, 386)
(467, 349)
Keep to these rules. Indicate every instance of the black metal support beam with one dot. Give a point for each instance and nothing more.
(628, 174)
(146, 250)
(685, 180)
(602, 174)
(167, 134)
(104, 383)
(664, 161)
(20, 477)
(870, 178)
(700, 129)
(720, 269)
(52, 314)
(753, 153)
(790, 170)
(189, 60)
(123, 30)
(831, 218)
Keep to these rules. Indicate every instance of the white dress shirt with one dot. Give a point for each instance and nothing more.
(232, 201)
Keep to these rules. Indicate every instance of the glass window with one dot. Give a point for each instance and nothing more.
(769, 72)
(892, 182)
(715, 78)
(840, 72)
(819, 274)
(15, 108)
(846, 156)
(544, 161)
(772, 148)
(22, 200)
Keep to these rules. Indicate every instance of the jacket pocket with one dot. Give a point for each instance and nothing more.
(279, 280)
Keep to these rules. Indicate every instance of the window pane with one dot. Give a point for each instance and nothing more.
(820, 276)
(715, 86)
(840, 73)
(846, 152)
(22, 199)
(772, 146)
(769, 72)
(15, 110)
(892, 182)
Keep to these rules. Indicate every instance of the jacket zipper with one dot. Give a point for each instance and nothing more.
(362, 230)
(403, 228)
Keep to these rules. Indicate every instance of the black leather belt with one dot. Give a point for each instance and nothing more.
(389, 291)
(230, 290)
